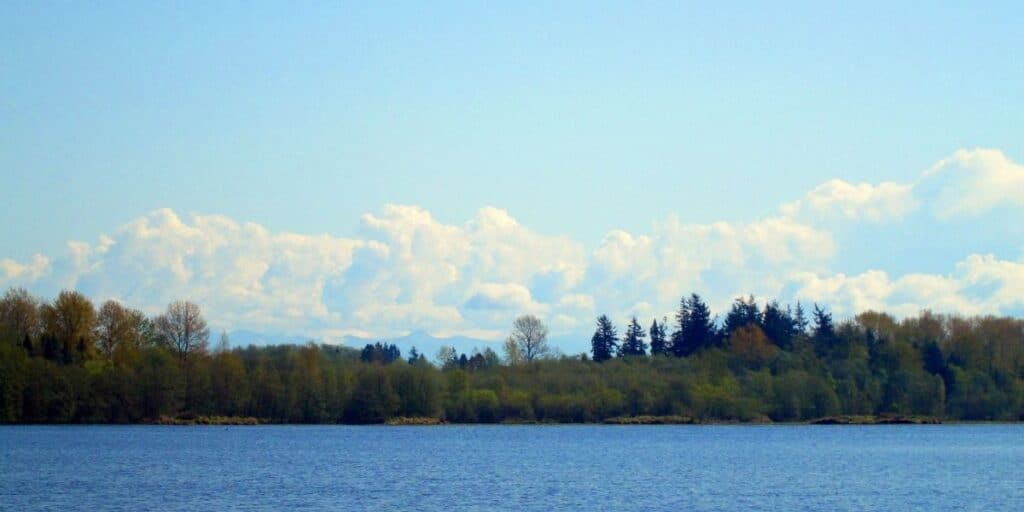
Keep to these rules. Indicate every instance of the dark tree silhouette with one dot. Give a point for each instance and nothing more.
(604, 341)
(744, 312)
(696, 330)
(659, 344)
(633, 340)
(778, 325)
(383, 353)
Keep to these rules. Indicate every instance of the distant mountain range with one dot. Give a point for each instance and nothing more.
(424, 342)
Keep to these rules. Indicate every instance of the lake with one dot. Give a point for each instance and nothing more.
(940, 467)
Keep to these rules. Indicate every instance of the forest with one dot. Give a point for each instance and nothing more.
(69, 361)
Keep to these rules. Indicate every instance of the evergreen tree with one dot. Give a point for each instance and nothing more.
(633, 342)
(744, 312)
(367, 355)
(696, 329)
(476, 362)
(414, 355)
(384, 353)
(823, 326)
(800, 319)
(604, 341)
(391, 353)
(824, 330)
(659, 345)
(778, 325)
(682, 319)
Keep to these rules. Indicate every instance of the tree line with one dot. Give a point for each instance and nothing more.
(68, 361)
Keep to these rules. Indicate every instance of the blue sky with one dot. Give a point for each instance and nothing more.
(579, 121)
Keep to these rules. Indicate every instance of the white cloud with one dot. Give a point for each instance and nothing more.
(838, 199)
(970, 182)
(502, 296)
(13, 272)
(980, 284)
(487, 271)
(646, 274)
(408, 271)
(967, 183)
(846, 294)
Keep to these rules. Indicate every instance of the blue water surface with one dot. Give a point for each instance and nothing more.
(940, 467)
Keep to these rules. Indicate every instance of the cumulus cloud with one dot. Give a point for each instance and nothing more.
(970, 182)
(967, 183)
(502, 296)
(838, 199)
(980, 284)
(435, 275)
(407, 271)
(645, 274)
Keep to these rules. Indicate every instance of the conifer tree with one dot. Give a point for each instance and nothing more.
(682, 319)
(696, 327)
(778, 325)
(824, 331)
(605, 340)
(823, 327)
(659, 344)
(800, 319)
(744, 312)
(633, 342)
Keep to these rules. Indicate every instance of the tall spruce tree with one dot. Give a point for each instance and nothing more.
(696, 327)
(633, 342)
(824, 331)
(605, 340)
(659, 344)
(682, 319)
(778, 325)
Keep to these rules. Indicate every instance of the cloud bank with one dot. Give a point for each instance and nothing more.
(406, 271)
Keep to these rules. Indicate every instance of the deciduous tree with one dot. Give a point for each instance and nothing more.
(531, 338)
(71, 320)
(19, 312)
(184, 329)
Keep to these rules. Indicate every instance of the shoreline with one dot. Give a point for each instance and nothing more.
(611, 422)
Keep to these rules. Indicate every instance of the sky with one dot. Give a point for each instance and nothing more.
(365, 169)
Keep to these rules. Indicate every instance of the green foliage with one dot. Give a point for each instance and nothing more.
(373, 399)
(769, 367)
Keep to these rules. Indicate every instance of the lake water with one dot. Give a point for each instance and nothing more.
(944, 467)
